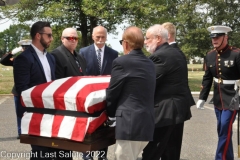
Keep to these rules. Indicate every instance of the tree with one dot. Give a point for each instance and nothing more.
(82, 14)
(10, 37)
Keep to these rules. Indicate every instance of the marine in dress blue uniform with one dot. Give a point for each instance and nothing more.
(222, 68)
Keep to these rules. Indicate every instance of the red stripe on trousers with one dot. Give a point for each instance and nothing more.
(85, 91)
(228, 135)
(35, 124)
(36, 95)
(79, 129)
(57, 120)
(58, 96)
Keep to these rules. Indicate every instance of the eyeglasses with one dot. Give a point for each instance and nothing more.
(121, 41)
(71, 38)
(48, 34)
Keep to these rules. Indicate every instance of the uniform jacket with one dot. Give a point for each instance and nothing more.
(89, 54)
(66, 65)
(130, 96)
(28, 70)
(172, 105)
(5, 60)
(223, 65)
(191, 100)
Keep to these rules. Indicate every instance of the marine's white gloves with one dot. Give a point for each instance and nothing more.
(200, 104)
(16, 50)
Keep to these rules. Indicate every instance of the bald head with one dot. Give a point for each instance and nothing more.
(69, 32)
(70, 39)
(99, 36)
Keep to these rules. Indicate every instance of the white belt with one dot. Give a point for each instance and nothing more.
(224, 81)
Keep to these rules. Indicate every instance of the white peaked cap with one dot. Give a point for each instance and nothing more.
(219, 29)
(25, 42)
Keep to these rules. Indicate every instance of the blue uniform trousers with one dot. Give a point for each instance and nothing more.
(225, 119)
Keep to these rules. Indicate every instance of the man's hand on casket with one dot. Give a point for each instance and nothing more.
(111, 122)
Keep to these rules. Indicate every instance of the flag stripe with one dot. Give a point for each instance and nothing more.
(58, 96)
(36, 95)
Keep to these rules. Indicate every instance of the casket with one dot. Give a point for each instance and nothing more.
(67, 110)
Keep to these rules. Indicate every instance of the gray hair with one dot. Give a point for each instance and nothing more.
(158, 30)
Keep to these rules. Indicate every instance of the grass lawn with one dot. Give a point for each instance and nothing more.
(195, 74)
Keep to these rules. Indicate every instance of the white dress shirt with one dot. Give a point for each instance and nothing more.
(43, 59)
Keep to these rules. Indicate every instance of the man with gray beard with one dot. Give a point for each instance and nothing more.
(172, 106)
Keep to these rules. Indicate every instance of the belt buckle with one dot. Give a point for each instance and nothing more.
(219, 80)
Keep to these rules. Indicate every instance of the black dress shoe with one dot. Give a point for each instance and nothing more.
(18, 137)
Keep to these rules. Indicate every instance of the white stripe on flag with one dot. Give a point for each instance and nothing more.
(71, 93)
(66, 127)
(47, 95)
(94, 98)
(26, 119)
(46, 125)
(26, 97)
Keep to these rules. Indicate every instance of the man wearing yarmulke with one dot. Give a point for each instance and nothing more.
(222, 68)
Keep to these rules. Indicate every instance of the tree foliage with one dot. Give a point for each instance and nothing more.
(10, 37)
(192, 17)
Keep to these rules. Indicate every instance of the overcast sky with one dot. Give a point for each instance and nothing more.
(113, 40)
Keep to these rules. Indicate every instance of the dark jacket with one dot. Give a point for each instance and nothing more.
(130, 96)
(172, 105)
(89, 54)
(66, 64)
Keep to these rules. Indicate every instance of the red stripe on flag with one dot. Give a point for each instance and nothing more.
(97, 122)
(57, 120)
(79, 129)
(58, 96)
(85, 91)
(36, 95)
(35, 124)
(97, 107)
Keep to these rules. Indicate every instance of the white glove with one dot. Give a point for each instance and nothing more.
(111, 121)
(200, 104)
(16, 50)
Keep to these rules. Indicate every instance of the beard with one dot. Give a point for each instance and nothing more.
(151, 48)
(44, 43)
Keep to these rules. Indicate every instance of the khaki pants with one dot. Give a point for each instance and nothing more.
(128, 150)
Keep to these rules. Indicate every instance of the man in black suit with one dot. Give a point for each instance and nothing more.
(172, 105)
(35, 66)
(175, 140)
(99, 57)
(130, 96)
(68, 62)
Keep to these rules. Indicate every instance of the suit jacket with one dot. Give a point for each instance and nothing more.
(191, 100)
(28, 70)
(172, 91)
(130, 96)
(66, 65)
(89, 54)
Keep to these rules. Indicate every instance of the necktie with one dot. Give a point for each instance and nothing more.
(99, 59)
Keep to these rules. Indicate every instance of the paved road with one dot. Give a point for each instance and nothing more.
(199, 140)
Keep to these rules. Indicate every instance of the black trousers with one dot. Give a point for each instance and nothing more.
(166, 144)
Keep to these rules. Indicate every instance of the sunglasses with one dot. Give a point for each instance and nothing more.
(48, 34)
(71, 38)
(121, 41)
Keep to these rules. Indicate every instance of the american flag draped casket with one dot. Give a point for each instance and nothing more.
(65, 108)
